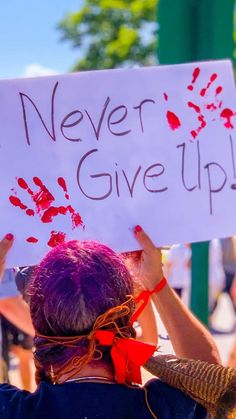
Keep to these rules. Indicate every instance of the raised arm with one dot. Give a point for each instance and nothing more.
(148, 324)
(190, 339)
(148, 330)
(13, 308)
(5, 245)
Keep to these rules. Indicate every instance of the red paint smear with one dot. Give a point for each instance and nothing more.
(52, 212)
(219, 90)
(23, 185)
(38, 182)
(203, 122)
(165, 96)
(211, 107)
(61, 182)
(195, 107)
(70, 209)
(43, 198)
(49, 214)
(227, 114)
(17, 202)
(194, 134)
(30, 212)
(196, 73)
(203, 92)
(32, 239)
(212, 79)
(173, 120)
(201, 119)
(75, 217)
(57, 237)
(77, 220)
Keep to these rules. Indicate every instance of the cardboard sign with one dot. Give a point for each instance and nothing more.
(90, 155)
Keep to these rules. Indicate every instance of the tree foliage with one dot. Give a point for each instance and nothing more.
(112, 33)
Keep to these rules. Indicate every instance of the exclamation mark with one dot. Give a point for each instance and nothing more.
(233, 186)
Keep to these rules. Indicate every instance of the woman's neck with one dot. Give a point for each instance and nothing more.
(100, 371)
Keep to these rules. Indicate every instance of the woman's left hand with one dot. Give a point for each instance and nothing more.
(5, 245)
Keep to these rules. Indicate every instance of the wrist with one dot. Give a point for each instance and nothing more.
(151, 283)
(160, 285)
(144, 297)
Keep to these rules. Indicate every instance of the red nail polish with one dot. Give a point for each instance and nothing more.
(137, 229)
(9, 236)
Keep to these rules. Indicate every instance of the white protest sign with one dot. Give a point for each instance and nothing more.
(90, 155)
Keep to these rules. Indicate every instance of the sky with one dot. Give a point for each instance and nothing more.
(29, 40)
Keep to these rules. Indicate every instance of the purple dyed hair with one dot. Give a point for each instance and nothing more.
(73, 285)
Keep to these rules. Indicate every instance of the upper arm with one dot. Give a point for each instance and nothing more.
(148, 324)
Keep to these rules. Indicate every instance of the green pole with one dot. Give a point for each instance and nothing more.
(199, 286)
(215, 30)
(192, 30)
(175, 27)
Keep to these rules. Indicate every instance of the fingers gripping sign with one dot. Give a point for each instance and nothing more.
(144, 240)
(150, 265)
(5, 245)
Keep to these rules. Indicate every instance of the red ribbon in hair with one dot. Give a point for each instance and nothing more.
(128, 355)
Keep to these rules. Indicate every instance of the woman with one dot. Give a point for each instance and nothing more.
(87, 360)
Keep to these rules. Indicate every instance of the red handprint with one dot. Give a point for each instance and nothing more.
(215, 105)
(43, 200)
(209, 106)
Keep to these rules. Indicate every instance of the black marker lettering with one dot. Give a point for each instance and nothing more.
(100, 175)
(117, 182)
(98, 129)
(152, 176)
(199, 164)
(72, 124)
(51, 134)
(216, 189)
(139, 107)
(131, 188)
(183, 145)
(117, 121)
(232, 155)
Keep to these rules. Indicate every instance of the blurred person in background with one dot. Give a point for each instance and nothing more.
(232, 356)
(216, 273)
(8, 293)
(177, 267)
(228, 246)
(12, 306)
(19, 344)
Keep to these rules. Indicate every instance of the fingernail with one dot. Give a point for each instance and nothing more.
(9, 237)
(137, 229)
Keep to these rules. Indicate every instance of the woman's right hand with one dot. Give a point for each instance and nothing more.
(149, 267)
(5, 245)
